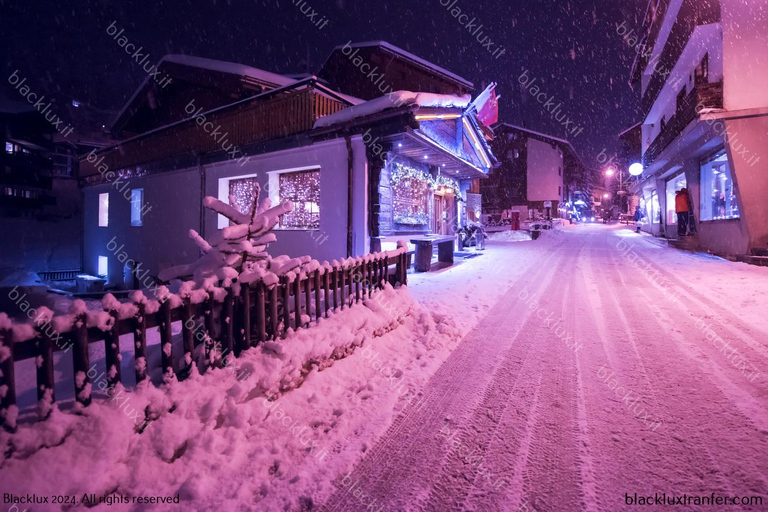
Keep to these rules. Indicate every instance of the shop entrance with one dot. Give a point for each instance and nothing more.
(444, 211)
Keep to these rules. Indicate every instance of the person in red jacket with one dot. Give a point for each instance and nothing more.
(682, 208)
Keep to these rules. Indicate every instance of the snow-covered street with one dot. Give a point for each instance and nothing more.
(609, 366)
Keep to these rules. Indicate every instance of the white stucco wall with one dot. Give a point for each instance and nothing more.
(544, 161)
(330, 241)
(745, 55)
(162, 241)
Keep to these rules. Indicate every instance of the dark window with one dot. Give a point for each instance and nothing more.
(701, 73)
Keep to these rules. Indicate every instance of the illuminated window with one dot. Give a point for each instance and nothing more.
(103, 266)
(303, 190)
(9, 147)
(137, 205)
(104, 210)
(718, 191)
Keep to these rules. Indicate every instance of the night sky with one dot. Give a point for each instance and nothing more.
(571, 47)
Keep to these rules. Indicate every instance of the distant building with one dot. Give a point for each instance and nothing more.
(40, 204)
(538, 174)
(702, 72)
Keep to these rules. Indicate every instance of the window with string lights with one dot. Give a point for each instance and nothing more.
(303, 190)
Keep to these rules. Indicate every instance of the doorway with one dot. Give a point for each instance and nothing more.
(444, 211)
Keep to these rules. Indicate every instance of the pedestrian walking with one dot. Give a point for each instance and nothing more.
(682, 209)
(638, 217)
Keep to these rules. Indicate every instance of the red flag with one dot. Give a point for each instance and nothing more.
(487, 106)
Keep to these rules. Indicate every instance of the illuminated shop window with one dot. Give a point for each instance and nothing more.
(718, 191)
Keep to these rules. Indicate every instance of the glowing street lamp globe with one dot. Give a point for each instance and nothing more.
(610, 172)
(636, 169)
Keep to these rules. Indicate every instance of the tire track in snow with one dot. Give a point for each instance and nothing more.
(474, 361)
(695, 444)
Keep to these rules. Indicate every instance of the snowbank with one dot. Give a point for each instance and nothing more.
(230, 439)
(510, 236)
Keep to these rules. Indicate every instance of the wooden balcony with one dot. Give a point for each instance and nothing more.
(265, 117)
(708, 95)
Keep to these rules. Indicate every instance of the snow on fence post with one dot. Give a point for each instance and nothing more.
(187, 339)
(227, 326)
(45, 377)
(318, 304)
(274, 321)
(261, 313)
(297, 300)
(7, 380)
(166, 341)
(112, 349)
(140, 338)
(245, 317)
(80, 360)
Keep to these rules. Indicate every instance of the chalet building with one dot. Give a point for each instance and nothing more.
(538, 175)
(701, 73)
(361, 172)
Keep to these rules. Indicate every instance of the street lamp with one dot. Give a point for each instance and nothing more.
(610, 172)
(606, 195)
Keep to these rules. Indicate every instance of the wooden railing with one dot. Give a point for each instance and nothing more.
(708, 95)
(59, 275)
(237, 125)
(258, 313)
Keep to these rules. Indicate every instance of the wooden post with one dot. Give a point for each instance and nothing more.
(359, 276)
(318, 302)
(228, 323)
(45, 390)
(335, 287)
(286, 288)
(166, 340)
(187, 339)
(308, 298)
(209, 319)
(7, 381)
(351, 276)
(326, 296)
(342, 274)
(297, 301)
(261, 313)
(112, 353)
(140, 344)
(273, 319)
(245, 316)
(80, 360)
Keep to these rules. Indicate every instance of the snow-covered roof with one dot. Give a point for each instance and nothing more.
(231, 68)
(410, 56)
(534, 132)
(630, 128)
(394, 100)
(213, 65)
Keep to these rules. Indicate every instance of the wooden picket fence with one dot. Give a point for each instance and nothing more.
(258, 313)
